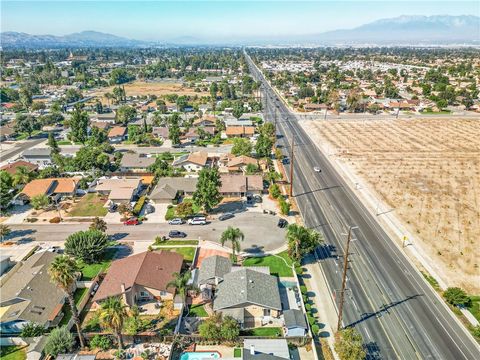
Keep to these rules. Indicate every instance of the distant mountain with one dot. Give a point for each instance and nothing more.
(403, 30)
(82, 39)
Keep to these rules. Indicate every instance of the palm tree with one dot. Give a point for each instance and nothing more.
(98, 224)
(22, 176)
(180, 283)
(63, 273)
(4, 231)
(295, 235)
(112, 316)
(234, 235)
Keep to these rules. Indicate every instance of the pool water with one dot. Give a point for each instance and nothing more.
(200, 355)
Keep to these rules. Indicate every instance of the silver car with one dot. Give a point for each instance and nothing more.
(176, 221)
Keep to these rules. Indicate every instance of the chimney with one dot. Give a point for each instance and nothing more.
(252, 349)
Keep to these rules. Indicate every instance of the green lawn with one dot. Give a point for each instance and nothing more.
(197, 311)
(89, 205)
(67, 311)
(89, 271)
(177, 242)
(277, 265)
(265, 331)
(171, 211)
(187, 252)
(475, 306)
(12, 353)
(237, 352)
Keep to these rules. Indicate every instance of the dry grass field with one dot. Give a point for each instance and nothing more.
(140, 88)
(428, 172)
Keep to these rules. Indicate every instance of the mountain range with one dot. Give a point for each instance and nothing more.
(402, 30)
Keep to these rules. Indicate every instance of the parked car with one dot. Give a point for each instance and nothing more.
(282, 223)
(197, 221)
(113, 207)
(131, 221)
(176, 221)
(149, 208)
(317, 169)
(258, 198)
(176, 234)
(226, 216)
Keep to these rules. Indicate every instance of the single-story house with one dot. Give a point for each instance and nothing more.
(239, 163)
(56, 188)
(135, 162)
(295, 323)
(103, 125)
(240, 131)
(192, 162)
(28, 295)
(11, 168)
(170, 188)
(315, 107)
(205, 121)
(141, 277)
(38, 156)
(119, 190)
(7, 132)
(117, 134)
(213, 269)
(232, 121)
(265, 349)
(234, 185)
(160, 132)
(106, 118)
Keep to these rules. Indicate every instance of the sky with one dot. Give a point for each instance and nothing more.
(167, 20)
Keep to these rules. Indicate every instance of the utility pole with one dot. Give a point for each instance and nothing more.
(344, 278)
(291, 165)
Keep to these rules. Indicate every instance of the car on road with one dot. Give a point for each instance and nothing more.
(226, 216)
(317, 169)
(282, 223)
(131, 221)
(176, 221)
(197, 221)
(285, 161)
(176, 234)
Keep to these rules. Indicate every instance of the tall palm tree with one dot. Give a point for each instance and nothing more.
(112, 316)
(180, 283)
(295, 235)
(63, 273)
(234, 235)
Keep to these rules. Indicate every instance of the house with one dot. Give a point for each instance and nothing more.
(12, 167)
(191, 136)
(213, 269)
(105, 118)
(103, 125)
(240, 163)
(240, 185)
(55, 188)
(205, 121)
(38, 156)
(28, 295)
(232, 121)
(160, 132)
(141, 277)
(240, 131)
(192, 162)
(170, 188)
(265, 349)
(117, 134)
(119, 190)
(7, 132)
(295, 323)
(135, 162)
(248, 296)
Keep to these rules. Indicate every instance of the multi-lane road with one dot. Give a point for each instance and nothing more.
(396, 311)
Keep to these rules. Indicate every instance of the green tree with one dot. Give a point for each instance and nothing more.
(26, 124)
(207, 194)
(32, 329)
(213, 90)
(40, 201)
(6, 189)
(180, 283)
(60, 341)
(22, 176)
(4, 231)
(63, 273)
(229, 330)
(301, 241)
(264, 145)
(349, 345)
(120, 76)
(79, 125)
(112, 317)
(101, 342)
(241, 146)
(274, 191)
(174, 129)
(233, 235)
(184, 209)
(97, 137)
(72, 95)
(125, 114)
(456, 296)
(87, 246)
(25, 97)
(238, 109)
(98, 224)
(284, 206)
(52, 144)
(210, 328)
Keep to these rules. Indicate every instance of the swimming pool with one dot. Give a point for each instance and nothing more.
(200, 355)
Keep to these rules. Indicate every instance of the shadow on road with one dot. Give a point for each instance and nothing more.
(373, 351)
(317, 190)
(20, 233)
(119, 236)
(254, 250)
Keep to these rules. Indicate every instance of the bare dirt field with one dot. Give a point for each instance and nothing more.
(428, 172)
(140, 88)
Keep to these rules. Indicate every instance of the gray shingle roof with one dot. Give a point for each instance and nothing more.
(164, 192)
(247, 286)
(214, 266)
(134, 160)
(265, 349)
(187, 185)
(294, 318)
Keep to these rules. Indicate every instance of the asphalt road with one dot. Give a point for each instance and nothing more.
(388, 301)
(252, 225)
(19, 147)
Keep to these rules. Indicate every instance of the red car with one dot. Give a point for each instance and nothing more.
(131, 221)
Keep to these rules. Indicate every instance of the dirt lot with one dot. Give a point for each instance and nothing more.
(139, 88)
(428, 172)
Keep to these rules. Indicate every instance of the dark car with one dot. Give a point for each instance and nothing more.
(176, 234)
(131, 221)
(282, 223)
(226, 216)
(113, 208)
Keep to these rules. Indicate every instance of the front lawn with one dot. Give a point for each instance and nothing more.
(197, 311)
(89, 271)
(171, 211)
(176, 242)
(187, 252)
(12, 353)
(67, 311)
(264, 331)
(276, 264)
(89, 205)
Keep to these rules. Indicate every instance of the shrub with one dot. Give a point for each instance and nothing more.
(284, 206)
(40, 201)
(184, 209)
(32, 330)
(55, 220)
(60, 341)
(139, 205)
(298, 270)
(315, 329)
(308, 307)
(303, 289)
(476, 331)
(87, 246)
(101, 342)
(311, 319)
(456, 296)
(274, 191)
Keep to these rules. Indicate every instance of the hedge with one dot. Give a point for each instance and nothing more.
(139, 205)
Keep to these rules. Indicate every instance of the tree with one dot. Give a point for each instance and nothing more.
(353, 100)
(264, 145)
(234, 235)
(272, 176)
(40, 201)
(87, 246)
(79, 125)
(456, 296)
(60, 341)
(32, 329)
(112, 317)
(174, 129)
(22, 176)
(98, 224)
(238, 109)
(241, 146)
(207, 194)
(125, 114)
(213, 90)
(218, 328)
(6, 189)
(229, 330)
(284, 206)
(274, 191)
(349, 345)
(180, 283)
(4, 231)
(184, 209)
(301, 241)
(26, 124)
(63, 273)
(25, 97)
(120, 76)
(52, 144)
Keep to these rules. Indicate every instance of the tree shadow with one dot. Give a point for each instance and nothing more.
(326, 251)
(118, 236)
(20, 233)
(372, 350)
(255, 249)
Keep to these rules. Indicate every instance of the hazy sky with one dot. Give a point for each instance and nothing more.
(158, 20)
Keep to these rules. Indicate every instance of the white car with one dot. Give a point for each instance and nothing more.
(197, 221)
(176, 221)
(317, 169)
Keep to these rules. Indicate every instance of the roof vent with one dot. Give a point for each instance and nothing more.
(250, 281)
